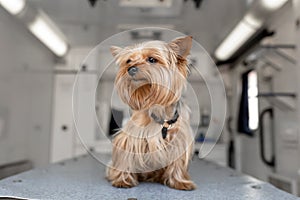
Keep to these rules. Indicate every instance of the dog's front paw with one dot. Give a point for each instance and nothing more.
(123, 184)
(185, 185)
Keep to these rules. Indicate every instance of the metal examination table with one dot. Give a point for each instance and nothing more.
(83, 178)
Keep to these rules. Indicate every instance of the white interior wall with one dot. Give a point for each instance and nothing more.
(26, 93)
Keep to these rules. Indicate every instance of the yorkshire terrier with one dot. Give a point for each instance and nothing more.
(157, 142)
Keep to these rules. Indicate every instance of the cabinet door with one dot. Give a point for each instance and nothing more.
(62, 132)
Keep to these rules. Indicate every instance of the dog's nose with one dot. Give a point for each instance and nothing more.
(132, 70)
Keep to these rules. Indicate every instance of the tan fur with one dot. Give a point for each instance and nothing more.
(139, 151)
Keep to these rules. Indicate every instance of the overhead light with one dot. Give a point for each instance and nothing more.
(273, 5)
(238, 36)
(13, 6)
(42, 26)
(247, 27)
(44, 29)
(253, 21)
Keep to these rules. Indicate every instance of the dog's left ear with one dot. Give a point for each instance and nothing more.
(182, 45)
(115, 50)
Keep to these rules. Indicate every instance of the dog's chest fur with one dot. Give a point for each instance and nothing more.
(145, 147)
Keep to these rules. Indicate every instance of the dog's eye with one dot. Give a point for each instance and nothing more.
(151, 60)
(128, 61)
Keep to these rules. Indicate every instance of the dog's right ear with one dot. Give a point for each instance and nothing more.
(182, 45)
(115, 50)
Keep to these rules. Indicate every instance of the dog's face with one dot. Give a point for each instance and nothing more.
(152, 72)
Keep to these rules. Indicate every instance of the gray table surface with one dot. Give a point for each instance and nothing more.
(83, 178)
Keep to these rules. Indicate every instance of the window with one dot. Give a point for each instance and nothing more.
(253, 100)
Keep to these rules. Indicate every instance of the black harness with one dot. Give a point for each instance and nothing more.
(166, 124)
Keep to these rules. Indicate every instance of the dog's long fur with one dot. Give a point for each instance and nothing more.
(139, 151)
